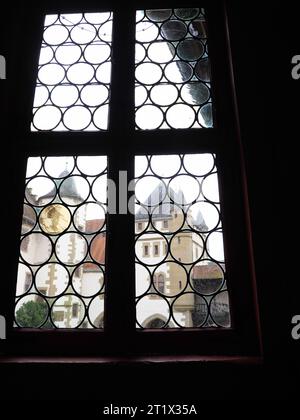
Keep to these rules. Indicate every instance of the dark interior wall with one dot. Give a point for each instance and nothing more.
(262, 50)
(261, 57)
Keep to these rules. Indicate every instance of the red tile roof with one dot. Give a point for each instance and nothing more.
(97, 249)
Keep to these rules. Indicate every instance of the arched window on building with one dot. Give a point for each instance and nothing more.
(159, 282)
(155, 323)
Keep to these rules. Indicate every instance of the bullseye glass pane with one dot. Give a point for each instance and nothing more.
(180, 271)
(61, 272)
(172, 73)
(73, 84)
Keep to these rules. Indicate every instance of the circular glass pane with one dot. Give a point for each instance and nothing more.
(71, 248)
(139, 15)
(206, 277)
(158, 15)
(147, 311)
(103, 72)
(161, 52)
(28, 220)
(202, 70)
(59, 166)
(186, 247)
(51, 280)
(74, 190)
(165, 165)
(178, 72)
(71, 19)
(184, 189)
(92, 165)
(68, 311)
(203, 216)
(219, 309)
(142, 279)
(77, 118)
(105, 31)
(94, 95)
(141, 95)
(24, 281)
(97, 54)
(180, 116)
(210, 188)
(51, 74)
(168, 217)
(97, 248)
(83, 33)
(64, 96)
(190, 49)
(36, 248)
(47, 117)
(100, 117)
(40, 191)
(99, 189)
(142, 218)
(41, 96)
(199, 164)
(190, 310)
(96, 312)
(87, 279)
(89, 218)
(68, 54)
(148, 73)
(205, 116)
(149, 117)
(173, 30)
(31, 311)
(150, 190)
(174, 277)
(80, 73)
(50, 19)
(140, 165)
(54, 219)
(56, 35)
(164, 94)
(215, 246)
(146, 32)
(156, 251)
(46, 55)
(140, 53)
(195, 93)
(34, 165)
(97, 18)
(198, 28)
(187, 13)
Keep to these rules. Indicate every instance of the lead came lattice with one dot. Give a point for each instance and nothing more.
(73, 86)
(61, 275)
(172, 70)
(180, 264)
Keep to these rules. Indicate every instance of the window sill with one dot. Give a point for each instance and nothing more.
(205, 360)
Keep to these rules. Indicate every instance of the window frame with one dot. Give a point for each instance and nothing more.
(119, 336)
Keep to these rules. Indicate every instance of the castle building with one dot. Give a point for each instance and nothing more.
(173, 270)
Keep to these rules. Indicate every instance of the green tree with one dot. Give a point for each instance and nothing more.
(32, 314)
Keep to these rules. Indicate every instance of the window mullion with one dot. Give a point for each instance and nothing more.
(121, 120)
(119, 307)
